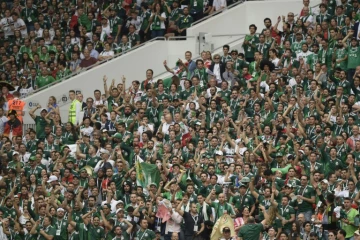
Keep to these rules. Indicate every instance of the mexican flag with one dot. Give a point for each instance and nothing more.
(146, 173)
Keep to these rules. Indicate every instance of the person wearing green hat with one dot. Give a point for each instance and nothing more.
(33, 168)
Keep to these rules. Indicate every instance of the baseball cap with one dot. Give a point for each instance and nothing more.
(52, 178)
(220, 153)
(43, 109)
(357, 232)
(245, 180)
(325, 181)
(120, 209)
(14, 153)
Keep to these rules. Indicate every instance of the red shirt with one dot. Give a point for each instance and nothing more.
(87, 63)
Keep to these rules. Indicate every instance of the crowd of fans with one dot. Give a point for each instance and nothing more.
(45, 41)
(261, 142)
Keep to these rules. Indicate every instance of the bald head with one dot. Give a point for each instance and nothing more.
(251, 219)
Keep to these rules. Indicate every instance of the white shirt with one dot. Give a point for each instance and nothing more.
(358, 33)
(3, 120)
(173, 224)
(304, 55)
(6, 23)
(208, 91)
(142, 129)
(218, 4)
(165, 128)
(217, 72)
(19, 23)
(107, 53)
(39, 33)
(89, 130)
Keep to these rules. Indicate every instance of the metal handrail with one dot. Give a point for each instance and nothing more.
(96, 65)
(217, 12)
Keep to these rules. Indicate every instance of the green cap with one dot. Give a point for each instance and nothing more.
(118, 136)
(70, 159)
(32, 158)
(83, 170)
(279, 154)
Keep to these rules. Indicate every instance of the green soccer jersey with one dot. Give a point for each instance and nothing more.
(133, 39)
(175, 14)
(353, 57)
(339, 55)
(145, 235)
(296, 46)
(312, 60)
(213, 117)
(307, 192)
(96, 232)
(286, 212)
(185, 21)
(49, 230)
(220, 209)
(61, 228)
(115, 22)
(83, 231)
(42, 81)
(250, 47)
(323, 18)
(40, 124)
(145, 18)
(62, 73)
(240, 202)
(325, 57)
(263, 48)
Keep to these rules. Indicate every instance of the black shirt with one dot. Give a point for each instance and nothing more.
(190, 223)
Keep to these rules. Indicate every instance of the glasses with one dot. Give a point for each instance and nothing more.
(216, 58)
(141, 112)
(290, 15)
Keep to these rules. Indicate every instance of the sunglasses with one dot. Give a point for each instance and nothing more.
(216, 58)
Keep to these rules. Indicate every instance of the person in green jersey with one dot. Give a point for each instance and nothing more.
(353, 55)
(305, 198)
(184, 22)
(252, 230)
(340, 55)
(116, 24)
(46, 231)
(63, 70)
(44, 79)
(82, 228)
(123, 235)
(144, 233)
(145, 15)
(60, 224)
(249, 44)
(40, 121)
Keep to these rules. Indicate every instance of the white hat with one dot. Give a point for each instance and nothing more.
(104, 151)
(120, 209)
(117, 202)
(325, 181)
(52, 178)
(60, 209)
(219, 153)
(14, 153)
